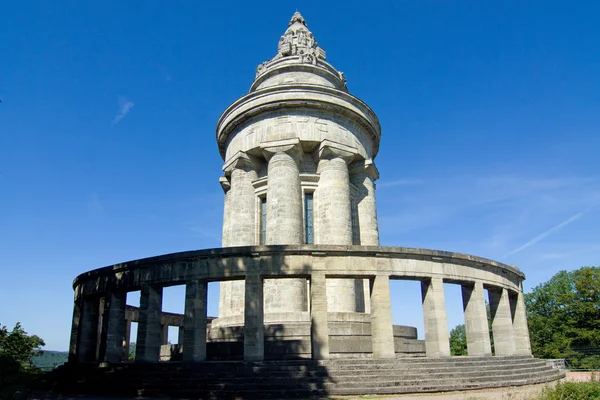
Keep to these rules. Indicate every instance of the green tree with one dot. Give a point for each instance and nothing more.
(458, 341)
(17, 373)
(564, 317)
(19, 346)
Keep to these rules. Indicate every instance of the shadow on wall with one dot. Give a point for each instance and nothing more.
(280, 377)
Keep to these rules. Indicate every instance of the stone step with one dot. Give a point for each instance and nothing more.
(346, 374)
(424, 359)
(250, 384)
(283, 371)
(305, 379)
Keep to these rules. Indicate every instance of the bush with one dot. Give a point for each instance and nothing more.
(573, 391)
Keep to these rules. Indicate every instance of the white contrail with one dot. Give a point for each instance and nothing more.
(547, 233)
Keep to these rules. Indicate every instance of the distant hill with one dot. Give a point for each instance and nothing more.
(50, 359)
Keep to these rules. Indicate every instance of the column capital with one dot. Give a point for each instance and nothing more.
(328, 150)
(289, 146)
(225, 184)
(364, 167)
(240, 160)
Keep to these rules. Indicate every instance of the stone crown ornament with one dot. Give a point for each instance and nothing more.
(298, 44)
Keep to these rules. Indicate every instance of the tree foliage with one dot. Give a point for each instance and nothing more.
(18, 345)
(17, 373)
(458, 341)
(564, 317)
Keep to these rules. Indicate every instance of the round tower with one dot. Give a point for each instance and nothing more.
(298, 152)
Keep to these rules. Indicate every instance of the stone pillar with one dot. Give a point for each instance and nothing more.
(127, 337)
(75, 324)
(149, 329)
(115, 337)
(226, 186)
(334, 219)
(88, 331)
(284, 194)
(319, 328)
(476, 322)
(254, 329)
(502, 326)
(194, 321)
(242, 204)
(285, 223)
(180, 335)
(333, 210)
(521, 330)
(239, 223)
(437, 342)
(382, 330)
(164, 334)
(363, 175)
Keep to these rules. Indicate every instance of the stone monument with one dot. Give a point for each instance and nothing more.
(303, 280)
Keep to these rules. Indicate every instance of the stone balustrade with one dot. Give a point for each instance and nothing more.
(106, 289)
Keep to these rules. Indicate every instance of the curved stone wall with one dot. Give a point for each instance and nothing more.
(316, 263)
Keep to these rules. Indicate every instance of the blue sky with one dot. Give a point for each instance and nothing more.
(490, 114)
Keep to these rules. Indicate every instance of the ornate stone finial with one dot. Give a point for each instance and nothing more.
(297, 17)
(297, 41)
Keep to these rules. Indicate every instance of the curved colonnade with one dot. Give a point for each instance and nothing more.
(316, 263)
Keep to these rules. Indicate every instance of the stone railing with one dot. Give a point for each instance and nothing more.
(317, 263)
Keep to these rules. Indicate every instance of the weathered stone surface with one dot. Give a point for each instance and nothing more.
(502, 326)
(298, 155)
(194, 324)
(476, 322)
(149, 327)
(434, 313)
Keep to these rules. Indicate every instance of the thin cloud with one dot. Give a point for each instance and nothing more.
(547, 233)
(400, 182)
(125, 107)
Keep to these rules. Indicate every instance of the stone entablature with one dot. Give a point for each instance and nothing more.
(318, 264)
(346, 261)
(328, 111)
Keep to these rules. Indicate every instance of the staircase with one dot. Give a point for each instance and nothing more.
(302, 378)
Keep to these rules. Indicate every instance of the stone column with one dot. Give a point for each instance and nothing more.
(382, 330)
(164, 334)
(180, 335)
(239, 223)
(149, 330)
(521, 330)
(75, 324)
(226, 186)
(127, 337)
(333, 210)
(437, 342)
(284, 194)
(476, 322)
(88, 340)
(319, 328)
(285, 223)
(194, 321)
(334, 220)
(363, 175)
(254, 330)
(502, 326)
(115, 337)
(242, 205)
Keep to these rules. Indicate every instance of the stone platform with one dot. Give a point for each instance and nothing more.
(302, 378)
